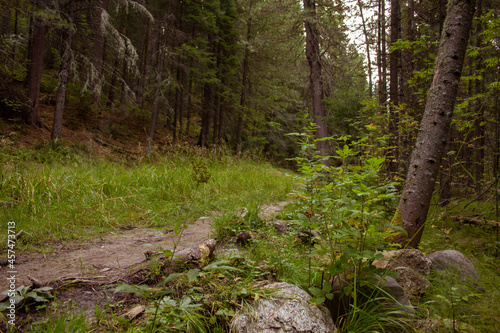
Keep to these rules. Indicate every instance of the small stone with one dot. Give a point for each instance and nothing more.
(134, 312)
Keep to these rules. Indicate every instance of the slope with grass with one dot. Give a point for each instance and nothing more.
(61, 194)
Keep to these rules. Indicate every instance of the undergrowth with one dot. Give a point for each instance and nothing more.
(334, 228)
(59, 193)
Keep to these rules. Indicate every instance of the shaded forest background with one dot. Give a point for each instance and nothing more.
(234, 74)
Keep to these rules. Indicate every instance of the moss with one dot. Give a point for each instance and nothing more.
(397, 220)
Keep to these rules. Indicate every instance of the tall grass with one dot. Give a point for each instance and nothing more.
(59, 193)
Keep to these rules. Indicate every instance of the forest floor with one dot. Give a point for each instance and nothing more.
(81, 271)
(81, 274)
(117, 134)
(106, 260)
(113, 256)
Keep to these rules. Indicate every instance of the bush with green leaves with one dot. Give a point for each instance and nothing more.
(199, 300)
(349, 204)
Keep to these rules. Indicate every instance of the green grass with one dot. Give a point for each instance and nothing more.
(61, 193)
(450, 297)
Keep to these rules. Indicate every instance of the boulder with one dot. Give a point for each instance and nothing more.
(413, 268)
(453, 261)
(391, 286)
(340, 303)
(286, 310)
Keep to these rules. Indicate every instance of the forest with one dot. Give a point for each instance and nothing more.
(384, 112)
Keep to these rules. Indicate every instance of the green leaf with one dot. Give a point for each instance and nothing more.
(302, 217)
(185, 302)
(221, 265)
(316, 292)
(192, 274)
(170, 277)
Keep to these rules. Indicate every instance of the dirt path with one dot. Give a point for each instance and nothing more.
(107, 259)
(110, 258)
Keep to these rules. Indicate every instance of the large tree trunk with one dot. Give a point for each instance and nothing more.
(98, 50)
(315, 78)
(159, 80)
(479, 128)
(62, 88)
(35, 65)
(433, 134)
(244, 86)
(142, 79)
(367, 42)
(394, 60)
(207, 112)
(381, 60)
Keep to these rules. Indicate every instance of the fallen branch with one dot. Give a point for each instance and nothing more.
(96, 280)
(195, 255)
(472, 220)
(482, 194)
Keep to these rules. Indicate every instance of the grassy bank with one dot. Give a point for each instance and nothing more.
(62, 193)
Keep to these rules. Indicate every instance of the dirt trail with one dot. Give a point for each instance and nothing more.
(110, 258)
(107, 259)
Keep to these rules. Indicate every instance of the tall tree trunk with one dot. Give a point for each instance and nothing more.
(177, 104)
(189, 105)
(35, 66)
(244, 86)
(479, 135)
(433, 134)
(142, 79)
(124, 77)
(367, 43)
(445, 173)
(98, 51)
(159, 80)
(207, 112)
(315, 76)
(16, 21)
(63, 83)
(394, 60)
(113, 82)
(381, 60)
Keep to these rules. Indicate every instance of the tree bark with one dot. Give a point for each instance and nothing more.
(35, 66)
(98, 51)
(433, 133)
(63, 85)
(207, 112)
(315, 75)
(381, 60)
(367, 42)
(159, 80)
(244, 86)
(394, 60)
(479, 134)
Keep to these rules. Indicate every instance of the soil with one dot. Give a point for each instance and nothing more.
(81, 273)
(106, 260)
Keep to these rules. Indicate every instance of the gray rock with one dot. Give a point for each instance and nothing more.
(391, 286)
(340, 304)
(286, 310)
(454, 262)
(413, 268)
